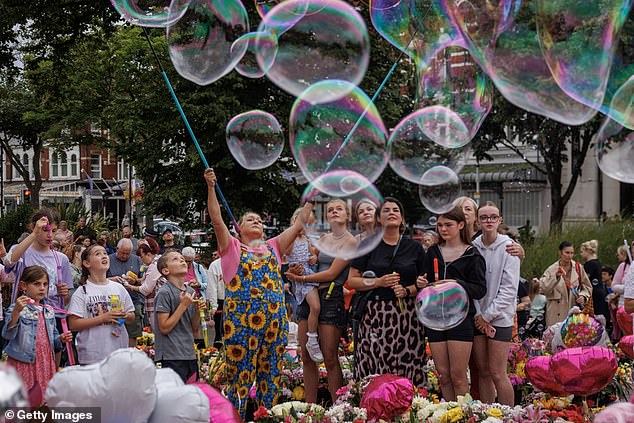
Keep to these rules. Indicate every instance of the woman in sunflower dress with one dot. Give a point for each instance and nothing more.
(255, 324)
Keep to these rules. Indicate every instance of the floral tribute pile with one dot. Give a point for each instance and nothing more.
(425, 404)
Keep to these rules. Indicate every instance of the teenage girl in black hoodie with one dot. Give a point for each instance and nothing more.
(459, 261)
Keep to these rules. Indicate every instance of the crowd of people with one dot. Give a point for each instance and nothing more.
(254, 287)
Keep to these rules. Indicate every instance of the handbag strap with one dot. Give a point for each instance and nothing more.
(398, 244)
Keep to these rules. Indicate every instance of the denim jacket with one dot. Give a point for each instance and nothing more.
(22, 336)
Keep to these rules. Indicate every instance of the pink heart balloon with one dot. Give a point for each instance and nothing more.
(626, 344)
(538, 373)
(584, 370)
(624, 320)
(220, 408)
(387, 396)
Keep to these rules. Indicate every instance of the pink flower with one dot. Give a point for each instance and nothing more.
(252, 392)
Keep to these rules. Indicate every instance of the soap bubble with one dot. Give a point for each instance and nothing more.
(260, 250)
(614, 146)
(248, 65)
(622, 104)
(439, 189)
(317, 132)
(317, 40)
(255, 139)
(443, 306)
(151, 13)
(264, 6)
(413, 151)
(200, 42)
(333, 234)
(455, 81)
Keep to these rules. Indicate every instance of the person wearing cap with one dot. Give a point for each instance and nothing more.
(168, 242)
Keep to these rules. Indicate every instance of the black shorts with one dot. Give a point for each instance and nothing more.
(463, 332)
(502, 334)
(333, 311)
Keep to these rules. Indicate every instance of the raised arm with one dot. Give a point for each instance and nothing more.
(287, 237)
(223, 236)
(16, 253)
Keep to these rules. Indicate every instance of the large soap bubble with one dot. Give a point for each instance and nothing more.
(255, 139)
(439, 189)
(614, 146)
(317, 40)
(413, 151)
(442, 306)
(416, 27)
(454, 80)
(622, 104)
(200, 42)
(317, 132)
(515, 61)
(151, 13)
(248, 65)
(333, 235)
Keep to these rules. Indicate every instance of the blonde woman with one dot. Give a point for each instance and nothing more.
(593, 267)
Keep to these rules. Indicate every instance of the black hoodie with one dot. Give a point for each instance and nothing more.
(469, 270)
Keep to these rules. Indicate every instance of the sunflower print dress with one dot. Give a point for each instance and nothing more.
(255, 329)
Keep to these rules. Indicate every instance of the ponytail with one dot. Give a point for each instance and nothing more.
(85, 273)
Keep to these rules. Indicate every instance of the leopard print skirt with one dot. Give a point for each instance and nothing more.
(391, 341)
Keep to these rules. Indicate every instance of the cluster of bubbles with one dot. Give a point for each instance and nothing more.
(556, 58)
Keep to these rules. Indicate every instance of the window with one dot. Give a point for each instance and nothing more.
(73, 165)
(54, 165)
(95, 165)
(122, 170)
(63, 158)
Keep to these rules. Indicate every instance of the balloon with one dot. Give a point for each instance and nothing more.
(176, 402)
(626, 344)
(12, 391)
(442, 306)
(387, 396)
(538, 373)
(584, 370)
(624, 320)
(122, 385)
(220, 408)
(581, 330)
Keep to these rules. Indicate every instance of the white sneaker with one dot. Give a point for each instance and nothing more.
(312, 346)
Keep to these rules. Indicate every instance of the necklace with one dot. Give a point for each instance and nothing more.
(338, 237)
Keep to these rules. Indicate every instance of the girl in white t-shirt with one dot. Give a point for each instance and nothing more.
(99, 308)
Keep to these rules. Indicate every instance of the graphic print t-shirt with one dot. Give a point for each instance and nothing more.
(94, 344)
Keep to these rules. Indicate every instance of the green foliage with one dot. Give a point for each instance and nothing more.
(73, 211)
(13, 224)
(545, 250)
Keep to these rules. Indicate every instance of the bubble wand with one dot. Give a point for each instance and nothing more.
(69, 346)
(203, 324)
(189, 129)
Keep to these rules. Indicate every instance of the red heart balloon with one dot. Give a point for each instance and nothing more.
(538, 373)
(387, 396)
(626, 344)
(624, 320)
(584, 370)
(220, 408)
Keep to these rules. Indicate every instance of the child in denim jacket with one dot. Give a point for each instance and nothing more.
(31, 333)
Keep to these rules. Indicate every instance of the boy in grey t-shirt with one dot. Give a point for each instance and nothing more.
(176, 318)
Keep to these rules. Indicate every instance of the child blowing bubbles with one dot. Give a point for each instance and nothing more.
(32, 333)
(97, 306)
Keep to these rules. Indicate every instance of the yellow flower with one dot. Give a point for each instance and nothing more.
(298, 393)
(519, 371)
(257, 320)
(234, 285)
(270, 335)
(495, 412)
(253, 343)
(230, 329)
(452, 416)
(245, 376)
(236, 353)
(264, 387)
(231, 305)
(274, 307)
(243, 391)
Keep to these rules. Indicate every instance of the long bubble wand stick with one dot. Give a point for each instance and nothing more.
(189, 129)
(69, 346)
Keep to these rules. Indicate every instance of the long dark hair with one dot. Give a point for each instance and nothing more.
(457, 215)
(377, 212)
(85, 273)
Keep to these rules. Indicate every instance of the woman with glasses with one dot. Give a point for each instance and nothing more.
(496, 310)
(454, 258)
(565, 285)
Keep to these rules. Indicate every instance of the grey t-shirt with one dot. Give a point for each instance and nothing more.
(119, 268)
(179, 343)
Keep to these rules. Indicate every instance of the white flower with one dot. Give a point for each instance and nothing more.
(492, 420)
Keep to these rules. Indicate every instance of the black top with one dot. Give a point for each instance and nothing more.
(469, 270)
(408, 263)
(599, 290)
(522, 316)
